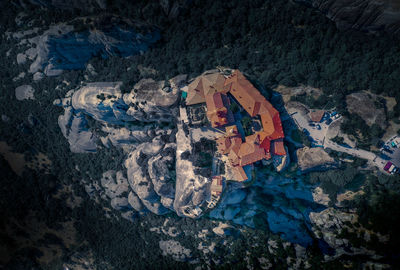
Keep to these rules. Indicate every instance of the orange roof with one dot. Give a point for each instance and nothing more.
(279, 148)
(244, 92)
(255, 104)
(214, 101)
(267, 124)
(213, 83)
(204, 85)
(236, 143)
(217, 111)
(233, 158)
(251, 154)
(316, 115)
(239, 173)
(195, 93)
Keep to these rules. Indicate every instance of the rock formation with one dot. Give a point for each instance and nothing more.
(365, 15)
(62, 47)
(155, 191)
(24, 92)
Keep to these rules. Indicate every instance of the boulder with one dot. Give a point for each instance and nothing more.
(175, 249)
(24, 92)
(139, 179)
(135, 202)
(120, 204)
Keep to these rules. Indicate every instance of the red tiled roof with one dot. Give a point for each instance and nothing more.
(255, 104)
(266, 144)
(217, 109)
(279, 148)
(204, 85)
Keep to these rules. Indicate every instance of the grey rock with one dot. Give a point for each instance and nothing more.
(135, 202)
(364, 15)
(114, 183)
(24, 92)
(138, 177)
(120, 204)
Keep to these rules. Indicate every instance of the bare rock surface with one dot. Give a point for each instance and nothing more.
(364, 15)
(139, 178)
(114, 183)
(191, 188)
(314, 159)
(24, 92)
(175, 249)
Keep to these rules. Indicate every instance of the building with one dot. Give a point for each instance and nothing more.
(218, 112)
(317, 115)
(216, 185)
(255, 104)
(214, 90)
(202, 86)
(215, 190)
(279, 148)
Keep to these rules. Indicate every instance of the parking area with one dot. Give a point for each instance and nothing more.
(391, 151)
(315, 130)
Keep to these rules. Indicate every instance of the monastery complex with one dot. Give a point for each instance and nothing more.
(219, 93)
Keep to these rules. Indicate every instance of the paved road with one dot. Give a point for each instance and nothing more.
(319, 137)
(374, 159)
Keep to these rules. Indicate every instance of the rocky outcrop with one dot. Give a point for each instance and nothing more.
(62, 47)
(24, 92)
(311, 159)
(364, 15)
(152, 100)
(320, 197)
(105, 103)
(328, 225)
(135, 202)
(161, 169)
(74, 128)
(151, 188)
(114, 183)
(90, 5)
(368, 107)
(175, 250)
(191, 189)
